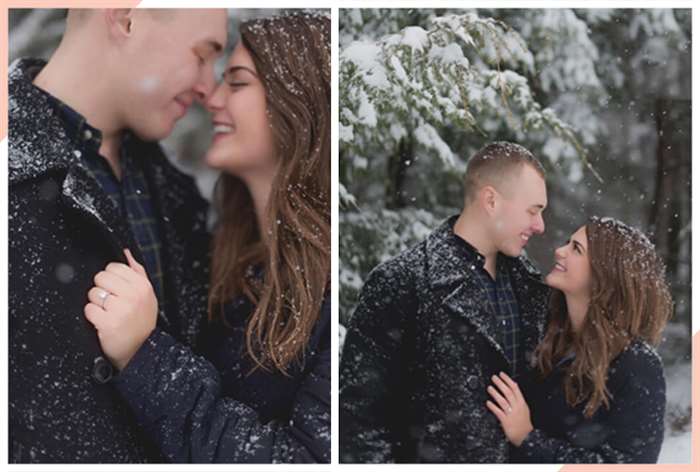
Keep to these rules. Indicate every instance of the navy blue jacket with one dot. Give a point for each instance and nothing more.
(63, 229)
(631, 431)
(209, 409)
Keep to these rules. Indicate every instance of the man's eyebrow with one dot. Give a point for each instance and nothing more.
(214, 45)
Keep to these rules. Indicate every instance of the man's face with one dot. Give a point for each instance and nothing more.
(166, 63)
(518, 212)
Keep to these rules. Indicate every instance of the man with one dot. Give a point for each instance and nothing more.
(436, 322)
(87, 180)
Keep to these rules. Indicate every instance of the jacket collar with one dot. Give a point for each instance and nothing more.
(450, 270)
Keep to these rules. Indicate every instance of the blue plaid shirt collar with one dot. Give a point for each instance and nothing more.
(77, 127)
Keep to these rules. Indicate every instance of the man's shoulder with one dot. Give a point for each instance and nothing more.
(405, 265)
(37, 143)
(21, 72)
(413, 262)
(25, 100)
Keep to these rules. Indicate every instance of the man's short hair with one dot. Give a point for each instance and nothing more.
(78, 16)
(494, 164)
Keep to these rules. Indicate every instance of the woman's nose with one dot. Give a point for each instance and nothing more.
(217, 99)
(560, 252)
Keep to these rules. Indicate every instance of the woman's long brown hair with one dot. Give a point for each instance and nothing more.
(630, 300)
(292, 58)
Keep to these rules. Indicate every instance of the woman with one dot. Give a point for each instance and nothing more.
(598, 393)
(262, 394)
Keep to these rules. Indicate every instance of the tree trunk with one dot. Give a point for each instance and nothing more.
(670, 214)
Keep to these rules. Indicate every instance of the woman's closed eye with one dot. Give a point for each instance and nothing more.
(239, 76)
(236, 84)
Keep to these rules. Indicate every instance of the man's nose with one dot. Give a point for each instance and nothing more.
(539, 224)
(205, 85)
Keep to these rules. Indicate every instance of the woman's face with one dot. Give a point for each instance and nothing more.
(243, 142)
(572, 269)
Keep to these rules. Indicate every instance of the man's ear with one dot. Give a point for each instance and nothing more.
(119, 22)
(488, 196)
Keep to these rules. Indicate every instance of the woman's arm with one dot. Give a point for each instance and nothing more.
(632, 431)
(177, 396)
(177, 399)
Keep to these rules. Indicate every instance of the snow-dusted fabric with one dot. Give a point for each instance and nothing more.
(63, 229)
(418, 354)
(631, 431)
(213, 410)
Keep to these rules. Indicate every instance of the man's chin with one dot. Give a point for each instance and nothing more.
(153, 135)
(513, 252)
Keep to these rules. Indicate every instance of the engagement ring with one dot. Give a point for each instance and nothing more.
(103, 296)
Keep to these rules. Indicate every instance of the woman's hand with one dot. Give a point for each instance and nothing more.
(123, 308)
(510, 408)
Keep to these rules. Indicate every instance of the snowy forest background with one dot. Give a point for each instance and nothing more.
(603, 97)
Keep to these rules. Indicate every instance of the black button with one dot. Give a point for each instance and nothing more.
(102, 370)
(473, 382)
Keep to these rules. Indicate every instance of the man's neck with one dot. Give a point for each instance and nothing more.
(109, 149)
(469, 228)
(64, 77)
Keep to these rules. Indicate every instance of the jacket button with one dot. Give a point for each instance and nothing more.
(101, 370)
(473, 382)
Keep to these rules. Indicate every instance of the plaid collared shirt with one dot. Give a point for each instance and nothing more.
(505, 308)
(502, 302)
(130, 195)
